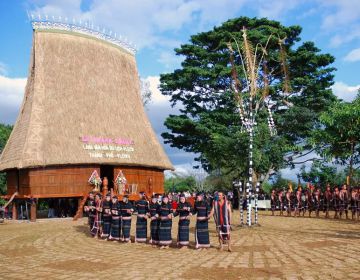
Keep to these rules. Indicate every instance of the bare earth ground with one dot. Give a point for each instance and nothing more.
(281, 248)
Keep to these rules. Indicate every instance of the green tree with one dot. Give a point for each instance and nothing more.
(281, 183)
(322, 174)
(338, 137)
(179, 183)
(208, 123)
(5, 131)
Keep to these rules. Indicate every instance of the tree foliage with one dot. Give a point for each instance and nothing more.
(180, 184)
(208, 123)
(322, 174)
(338, 137)
(5, 131)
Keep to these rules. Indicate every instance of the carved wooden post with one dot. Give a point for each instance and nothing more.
(33, 210)
(150, 187)
(80, 214)
(14, 211)
(105, 184)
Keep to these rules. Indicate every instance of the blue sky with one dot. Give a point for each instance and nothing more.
(157, 27)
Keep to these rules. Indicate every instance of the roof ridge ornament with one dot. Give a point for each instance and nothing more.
(81, 27)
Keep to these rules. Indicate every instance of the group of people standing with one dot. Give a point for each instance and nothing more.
(340, 200)
(110, 219)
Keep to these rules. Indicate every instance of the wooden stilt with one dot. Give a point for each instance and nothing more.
(14, 211)
(33, 211)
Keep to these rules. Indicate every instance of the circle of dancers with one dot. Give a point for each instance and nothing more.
(110, 219)
(342, 200)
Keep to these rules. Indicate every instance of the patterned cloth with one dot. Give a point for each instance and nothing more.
(115, 221)
(125, 209)
(154, 224)
(183, 210)
(202, 209)
(165, 224)
(106, 219)
(222, 219)
(142, 207)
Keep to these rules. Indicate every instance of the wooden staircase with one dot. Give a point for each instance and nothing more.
(79, 212)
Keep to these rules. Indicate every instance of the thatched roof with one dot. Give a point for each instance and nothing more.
(81, 92)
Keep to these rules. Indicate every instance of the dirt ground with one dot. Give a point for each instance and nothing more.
(280, 248)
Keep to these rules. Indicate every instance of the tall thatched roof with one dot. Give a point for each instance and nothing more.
(81, 105)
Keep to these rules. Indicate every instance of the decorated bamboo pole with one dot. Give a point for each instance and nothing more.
(250, 184)
(249, 93)
(256, 201)
(238, 186)
(241, 204)
(248, 200)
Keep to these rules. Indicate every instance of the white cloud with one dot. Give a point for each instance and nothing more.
(340, 13)
(276, 9)
(156, 97)
(344, 91)
(353, 55)
(341, 19)
(3, 69)
(148, 24)
(170, 60)
(158, 110)
(11, 95)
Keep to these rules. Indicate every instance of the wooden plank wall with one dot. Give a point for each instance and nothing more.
(149, 180)
(73, 180)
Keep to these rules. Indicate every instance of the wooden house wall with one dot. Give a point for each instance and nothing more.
(68, 181)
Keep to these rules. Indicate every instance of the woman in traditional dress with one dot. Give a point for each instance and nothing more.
(115, 219)
(184, 211)
(202, 210)
(90, 209)
(126, 209)
(106, 217)
(165, 214)
(142, 208)
(96, 229)
(154, 224)
(221, 210)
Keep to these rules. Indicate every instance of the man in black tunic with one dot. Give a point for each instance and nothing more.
(273, 202)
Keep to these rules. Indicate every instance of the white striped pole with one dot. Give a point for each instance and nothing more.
(248, 214)
(241, 204)
(250, 183)
(256, 201)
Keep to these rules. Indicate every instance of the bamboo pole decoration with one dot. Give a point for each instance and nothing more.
(284, 67)
(249, 96)
(250, 62)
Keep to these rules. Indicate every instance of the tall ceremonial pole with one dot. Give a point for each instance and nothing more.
(239, 188)
(251, 92)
